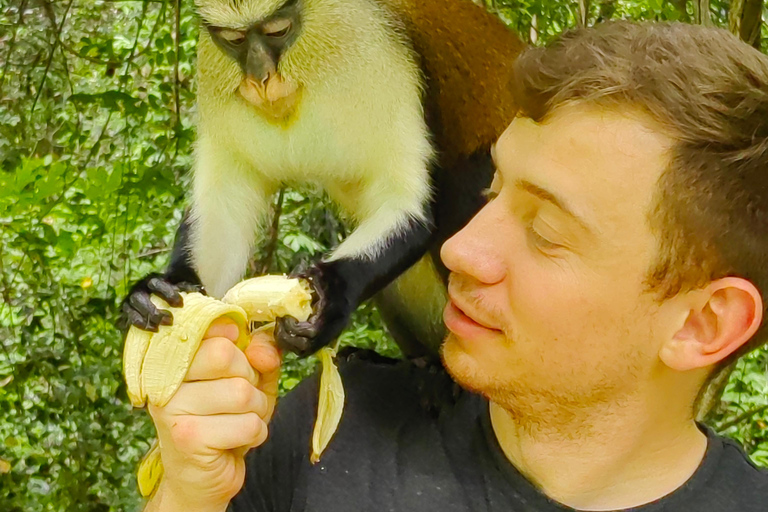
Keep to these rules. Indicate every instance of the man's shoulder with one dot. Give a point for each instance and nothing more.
(737, 463)
(732, 481)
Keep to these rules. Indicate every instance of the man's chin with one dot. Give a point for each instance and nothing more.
(463, 367)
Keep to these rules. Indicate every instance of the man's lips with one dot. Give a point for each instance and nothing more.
(461, 323)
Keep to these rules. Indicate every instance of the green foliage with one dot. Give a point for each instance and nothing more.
(96, 110)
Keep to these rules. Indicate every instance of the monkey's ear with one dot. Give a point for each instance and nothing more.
(726, 319)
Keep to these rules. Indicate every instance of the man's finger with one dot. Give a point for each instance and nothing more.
(223, 328)
(205, 434)
(219, 358)
(222, 396)
(263, 354)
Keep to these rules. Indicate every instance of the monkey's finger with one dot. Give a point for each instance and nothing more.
(166, 291)
(287, 339)
(153, 317)
(184, 286)
(136, 318)
(221, 396)
(308, 329)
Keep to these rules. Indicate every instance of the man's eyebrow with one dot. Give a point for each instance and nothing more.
(546, 195)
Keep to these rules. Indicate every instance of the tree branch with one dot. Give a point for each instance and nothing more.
(50, 58)
(177, 78)
(12, 44)
(743, 416)
(274, 231)
(701, 12)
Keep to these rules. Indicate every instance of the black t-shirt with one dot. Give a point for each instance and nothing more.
(411, 440)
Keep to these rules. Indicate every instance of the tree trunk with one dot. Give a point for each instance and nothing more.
(680, 5)
(583, 13)
(606, 11)
(745, 19)
(701, 12)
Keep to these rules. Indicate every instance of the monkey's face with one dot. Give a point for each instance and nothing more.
(258, 48)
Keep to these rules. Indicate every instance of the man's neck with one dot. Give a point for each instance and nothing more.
(626, 457)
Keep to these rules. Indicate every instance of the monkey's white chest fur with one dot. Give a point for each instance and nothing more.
(360, 134)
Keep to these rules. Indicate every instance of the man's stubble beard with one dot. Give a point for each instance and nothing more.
(535, 408)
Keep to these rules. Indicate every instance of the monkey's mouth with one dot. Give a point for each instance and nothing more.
(276, 97)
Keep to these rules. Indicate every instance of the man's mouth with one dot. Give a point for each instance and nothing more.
(460, 320)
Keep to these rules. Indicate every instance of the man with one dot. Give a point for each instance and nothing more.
(619, 265)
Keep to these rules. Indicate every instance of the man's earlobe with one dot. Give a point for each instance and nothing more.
(727, 320)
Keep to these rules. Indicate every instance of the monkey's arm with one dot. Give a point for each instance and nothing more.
(342, 283)
(180, 276)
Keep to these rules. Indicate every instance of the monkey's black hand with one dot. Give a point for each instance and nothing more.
(331, 308)
(138, 310)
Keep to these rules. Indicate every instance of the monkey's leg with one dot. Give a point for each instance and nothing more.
(230, 201)
(369, 259)
(180, 276)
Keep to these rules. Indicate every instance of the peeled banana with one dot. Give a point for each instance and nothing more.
(155, 364)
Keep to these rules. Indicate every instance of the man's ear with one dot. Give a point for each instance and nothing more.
(729, 317)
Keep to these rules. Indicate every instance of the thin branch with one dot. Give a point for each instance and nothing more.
(49, 11)
(742, 417)
(583, 11)
(702, 12)
(12, 44)
(153, 252)
(6, 294)
(274, 231)
(50, 58)
(177, 81)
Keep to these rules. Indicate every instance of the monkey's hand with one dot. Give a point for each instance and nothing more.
(331, 312)
(139, 311)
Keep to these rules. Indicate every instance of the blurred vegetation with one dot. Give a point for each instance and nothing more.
(96, 113)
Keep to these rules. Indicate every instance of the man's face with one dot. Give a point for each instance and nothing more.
(548, 299)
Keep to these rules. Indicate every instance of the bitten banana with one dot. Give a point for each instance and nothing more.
(155, 364)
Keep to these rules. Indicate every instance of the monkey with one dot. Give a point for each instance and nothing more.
(390, 106)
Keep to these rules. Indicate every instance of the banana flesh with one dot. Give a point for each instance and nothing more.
(155, 364)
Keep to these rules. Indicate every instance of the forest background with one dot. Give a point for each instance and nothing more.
(96, 131)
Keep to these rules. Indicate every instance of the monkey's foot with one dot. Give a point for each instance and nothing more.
(331, 313)
(138, 309)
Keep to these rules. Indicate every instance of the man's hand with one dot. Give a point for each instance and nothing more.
(219, 413)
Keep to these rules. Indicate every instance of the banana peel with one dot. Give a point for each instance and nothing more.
(155, 364)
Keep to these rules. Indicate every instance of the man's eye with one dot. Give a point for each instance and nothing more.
(277, 28)
(539, 241)
(232, 36)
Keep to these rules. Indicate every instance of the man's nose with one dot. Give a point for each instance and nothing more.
(477, 250)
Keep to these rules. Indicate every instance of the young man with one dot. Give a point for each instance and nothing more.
(620, 263)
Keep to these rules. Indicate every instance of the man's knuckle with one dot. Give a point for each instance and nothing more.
(242, 393)
(260, 401)
(261, 437)
(184, 432)
(220, 354)
(255, 426)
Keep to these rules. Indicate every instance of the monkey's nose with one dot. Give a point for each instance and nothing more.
(259, 83)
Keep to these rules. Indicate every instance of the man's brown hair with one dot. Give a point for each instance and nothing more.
(709, 92)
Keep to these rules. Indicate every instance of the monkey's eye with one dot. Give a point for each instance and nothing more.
(232, 36)
(278, 27)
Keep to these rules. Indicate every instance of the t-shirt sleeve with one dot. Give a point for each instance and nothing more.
(274, 468)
